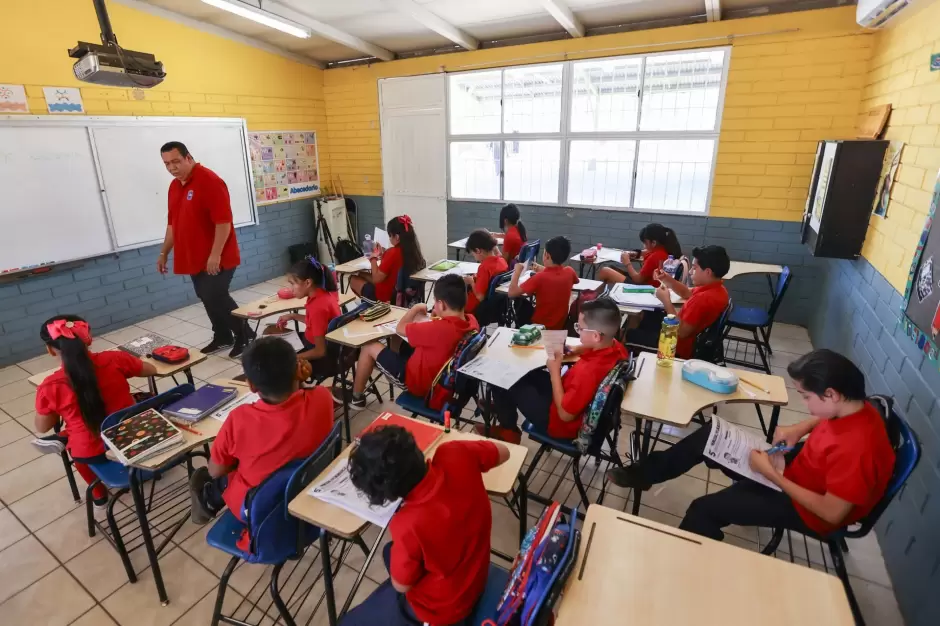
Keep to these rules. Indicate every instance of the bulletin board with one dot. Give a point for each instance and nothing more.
(922, 311)
(284, 165)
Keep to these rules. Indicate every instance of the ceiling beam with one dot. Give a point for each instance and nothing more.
(712, 10)
(329, 32)
(435, 23)
(563, 15)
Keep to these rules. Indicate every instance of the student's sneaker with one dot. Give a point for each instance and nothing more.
(49, 445)
(218, 344)
(500, 433)
(357, 401)
(201, 514)
(628, 477)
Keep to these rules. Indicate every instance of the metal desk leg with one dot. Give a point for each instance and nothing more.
(152, 383)
(141, 507)
(523, 495)
(643, 453)
(346, 396)
(362, 572)
(774, 418)
(327, 576)
(189, 376)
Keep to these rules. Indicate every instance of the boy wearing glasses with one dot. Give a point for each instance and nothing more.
(552, 402)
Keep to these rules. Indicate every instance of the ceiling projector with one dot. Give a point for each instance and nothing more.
(110, 64)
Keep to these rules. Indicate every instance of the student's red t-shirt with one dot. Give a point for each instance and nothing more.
(434, 343)
(194, 211)
(390, 265)
(580, 383)
(260, 438)
(512, 242)
(321, 308)
(441, 533)
(652, 262)
(552, 289)
(56, 397)
(701, 310)
(490, 267)
(850, 457)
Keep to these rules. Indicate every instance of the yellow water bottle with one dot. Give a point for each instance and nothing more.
(668, 337)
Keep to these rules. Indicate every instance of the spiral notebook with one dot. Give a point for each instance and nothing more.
(142, 436)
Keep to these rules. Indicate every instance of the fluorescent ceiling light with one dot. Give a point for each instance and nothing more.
(260, 16)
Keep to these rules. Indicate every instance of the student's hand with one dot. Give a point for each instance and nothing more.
(419, 309)
(658, 275)
(535, 267)
(377, 251)
(662, 294)
(282, 320)
(762, 464)
(790, 435)
(518, 268)
(469, 279)
(553, 365)
(626, 257)
(161, 263)
(213, 265)
(304, 369)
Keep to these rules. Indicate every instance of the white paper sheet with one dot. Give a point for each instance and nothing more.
(639, 300)
(337, 488)
(730, 446)
(554, 342)
(609, 254)
(586, 284)
(223, 413)
(294, 340)
(362, 263)
(380, 237)
(494, 371)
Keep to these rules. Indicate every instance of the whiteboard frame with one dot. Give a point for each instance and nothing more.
(92, 121)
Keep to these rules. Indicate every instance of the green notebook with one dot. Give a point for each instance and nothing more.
(638, 289)
(443, 266)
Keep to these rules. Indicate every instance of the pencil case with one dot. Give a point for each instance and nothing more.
(589, 254)
(377, 310)
(527, 335)
(710, 376)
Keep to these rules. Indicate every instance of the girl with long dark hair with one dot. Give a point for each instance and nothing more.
(514, 232)
(385, 265)
(659, 243)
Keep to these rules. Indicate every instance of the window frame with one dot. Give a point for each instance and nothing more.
(565, 135)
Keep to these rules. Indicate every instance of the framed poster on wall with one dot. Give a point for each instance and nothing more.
(285, 165)
(922, 295)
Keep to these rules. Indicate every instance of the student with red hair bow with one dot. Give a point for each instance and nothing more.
(405, 253)
(87, 388)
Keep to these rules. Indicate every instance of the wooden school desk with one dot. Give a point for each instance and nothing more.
(466, 268)
(274, 305)
(634, 570)
(164, 370)
(355, 266)
(659, 394)
(332, 520)
(584, 284)
(606, 255)
(461, 244)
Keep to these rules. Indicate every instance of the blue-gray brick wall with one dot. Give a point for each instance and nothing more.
(370, 212)
(118, 290)
(857, 314)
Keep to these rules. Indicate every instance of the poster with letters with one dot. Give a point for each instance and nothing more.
(284, 165)
(922, 297)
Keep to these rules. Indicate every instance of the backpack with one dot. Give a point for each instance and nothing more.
(575, 309)
(170, 354)
(444, 387)
(617, 378)
(346, 251)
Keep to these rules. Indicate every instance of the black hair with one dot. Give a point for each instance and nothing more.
(510, 213)
(714, 258)
(559, 248)
(824, 369)
(412, 259)
(270, 365)
(602, 315)
(80, 371)
(386, 464)
(311, 269)
(452, 291)
(170, 146)
(666, 237)
(481, 240)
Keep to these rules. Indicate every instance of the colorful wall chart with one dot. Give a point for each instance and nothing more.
(922, 309)
(63, 100)
(13, 99)
(284, 165)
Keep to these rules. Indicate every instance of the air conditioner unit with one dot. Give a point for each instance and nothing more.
(885, 13)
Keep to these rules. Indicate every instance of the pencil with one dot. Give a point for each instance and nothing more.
(513, 345)
(752, 384)
(189, 430)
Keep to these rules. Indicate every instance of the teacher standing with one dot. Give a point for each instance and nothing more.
(200, 229)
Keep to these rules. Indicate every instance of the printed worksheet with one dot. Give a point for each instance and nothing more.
(224, 412)
(495, 371)
(337, 488)
(730, 446)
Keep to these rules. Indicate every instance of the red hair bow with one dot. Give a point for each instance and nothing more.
(405, 221)
(70, 330)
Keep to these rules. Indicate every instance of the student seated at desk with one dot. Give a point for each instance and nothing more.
(88, 387)
(485, 251)
(831, 480)
(514, 234)
(257, 439)
(430, 344)
(704, 303)
(553, 403)
(551, 285)
(439, 556)
(311, 280)
(659, 243)
(405, 253)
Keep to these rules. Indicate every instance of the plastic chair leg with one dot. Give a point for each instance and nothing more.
(223, 586)
(119, 542)
(839, 562)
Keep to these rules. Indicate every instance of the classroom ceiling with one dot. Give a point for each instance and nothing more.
(347, 30)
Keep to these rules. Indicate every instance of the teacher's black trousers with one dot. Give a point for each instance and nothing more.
(213, 291)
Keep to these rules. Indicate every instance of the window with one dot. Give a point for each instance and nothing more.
(636, 132)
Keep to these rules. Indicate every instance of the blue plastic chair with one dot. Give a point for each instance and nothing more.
(495, 307)
(274, 535)
(529, 251)
(754, 319)
(907, 454)
(407, 291)
(709, 344)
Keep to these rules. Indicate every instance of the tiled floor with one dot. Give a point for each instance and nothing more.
(52, 573)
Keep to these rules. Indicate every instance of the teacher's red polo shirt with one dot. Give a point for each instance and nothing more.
(194, 210)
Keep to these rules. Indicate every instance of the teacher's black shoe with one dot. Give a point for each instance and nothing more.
(218, 344)
(237, 349)
(628, 477)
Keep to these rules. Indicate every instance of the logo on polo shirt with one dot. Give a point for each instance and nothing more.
(189, 194)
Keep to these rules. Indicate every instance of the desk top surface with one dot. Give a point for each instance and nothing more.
(740, 268)
(163, 369)
(273, 305)
(358, 333)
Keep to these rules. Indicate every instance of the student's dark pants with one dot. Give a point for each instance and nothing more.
(213, 291)
(210, 496)
(647, 332)
(745, 503)
(532, 396)
(386, 606)
(325, 366)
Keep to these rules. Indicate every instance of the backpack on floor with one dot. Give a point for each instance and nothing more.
(346, 251)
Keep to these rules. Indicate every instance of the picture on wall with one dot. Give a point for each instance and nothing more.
(284, 165)
(922, 311)
(889, 170)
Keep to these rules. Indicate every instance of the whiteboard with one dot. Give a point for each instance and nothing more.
(137, 181)
(51, 206)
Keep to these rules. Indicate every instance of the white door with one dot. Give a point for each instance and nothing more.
(414, 158)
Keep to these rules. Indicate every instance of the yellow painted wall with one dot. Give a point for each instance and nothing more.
(208, 75)
(900, 75)
(785, 92)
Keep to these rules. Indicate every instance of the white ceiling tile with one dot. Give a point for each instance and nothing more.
(510, 28)
(594, 13)
(392, 30)
(466, 12)
(332, 10)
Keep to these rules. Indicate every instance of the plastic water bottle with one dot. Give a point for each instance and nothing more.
(670, 266)
(668, 338)
(368, 246)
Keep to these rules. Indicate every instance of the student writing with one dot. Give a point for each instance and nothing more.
(659, 243)
(385, 265)
(88, 387)
(257, 439)
(439, 555)
(311, 280)
(485, 251)
(551, 285)
(831, 480)
(514, 233)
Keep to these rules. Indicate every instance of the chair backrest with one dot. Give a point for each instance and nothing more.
(407, 291)
(530, 250)
(906, 455)
(709, 345)
(496, 281)
(602, 417)
(312, 467)
(157, 402)
(783, 281)
(272, 537)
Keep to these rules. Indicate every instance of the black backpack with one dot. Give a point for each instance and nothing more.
(347, 251)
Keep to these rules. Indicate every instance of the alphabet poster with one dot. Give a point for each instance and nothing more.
(922, 311)
(284, 165)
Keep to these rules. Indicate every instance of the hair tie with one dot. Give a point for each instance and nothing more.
(405, 221)
(70, 330)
